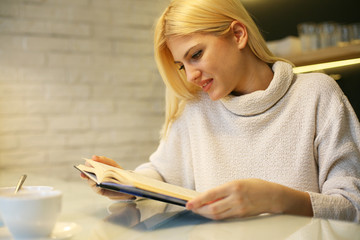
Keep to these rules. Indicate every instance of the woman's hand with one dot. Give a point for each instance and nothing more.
(107, 193)
(250, 197)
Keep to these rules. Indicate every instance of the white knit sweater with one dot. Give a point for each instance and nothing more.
(300, 132)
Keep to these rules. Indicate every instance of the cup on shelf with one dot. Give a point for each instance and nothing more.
(355, 33)
(32, 212)
(329, 34)
(308, 34)
(345, 35)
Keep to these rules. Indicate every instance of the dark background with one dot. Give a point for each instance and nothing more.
(279, 18)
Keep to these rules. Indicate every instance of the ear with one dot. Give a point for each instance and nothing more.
(239, 32)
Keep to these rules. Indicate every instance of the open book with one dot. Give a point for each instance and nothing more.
(129, 182)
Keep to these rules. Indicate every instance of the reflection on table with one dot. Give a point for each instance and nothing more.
(153, 220)
(100, 218)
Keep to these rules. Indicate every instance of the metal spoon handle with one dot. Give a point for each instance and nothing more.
(20, 183)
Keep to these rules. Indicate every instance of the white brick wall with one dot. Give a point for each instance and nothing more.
(77, 77)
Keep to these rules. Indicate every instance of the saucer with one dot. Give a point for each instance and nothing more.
(62, 230)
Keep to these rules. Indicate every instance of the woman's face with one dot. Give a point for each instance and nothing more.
(213, 63)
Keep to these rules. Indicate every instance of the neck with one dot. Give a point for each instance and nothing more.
(258, 76)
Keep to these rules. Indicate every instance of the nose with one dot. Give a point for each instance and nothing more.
(192, 74)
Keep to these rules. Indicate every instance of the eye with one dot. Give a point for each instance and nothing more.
(182, 67)
(197, 55)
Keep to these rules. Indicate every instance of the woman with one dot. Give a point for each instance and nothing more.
(243, 129)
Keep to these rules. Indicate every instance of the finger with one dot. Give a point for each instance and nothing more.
(110, 194)
(91, 183)
(216, 210)
(84, 176)
(229, 207)
(208, 197)
(116, 195)
(121, 197)
(106, 160)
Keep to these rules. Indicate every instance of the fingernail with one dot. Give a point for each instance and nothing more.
(189, 206)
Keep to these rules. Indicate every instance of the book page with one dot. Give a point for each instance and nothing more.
(143, 182)
(107, 173)
(154, 185)
(88, 171)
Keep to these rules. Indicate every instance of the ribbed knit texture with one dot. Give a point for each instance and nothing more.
(300, 132)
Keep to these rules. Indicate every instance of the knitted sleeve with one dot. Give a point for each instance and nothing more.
(338, 154)
(172, 160)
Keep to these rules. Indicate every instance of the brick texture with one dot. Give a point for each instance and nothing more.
(77, 78)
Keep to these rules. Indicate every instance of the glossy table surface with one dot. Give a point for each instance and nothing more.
(86, 215)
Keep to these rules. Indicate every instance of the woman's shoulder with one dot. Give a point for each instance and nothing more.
(317, 84)
(316, 79)
(192, 113)
(199, 103)
(320, 91)
(191, 107)
(197, 108)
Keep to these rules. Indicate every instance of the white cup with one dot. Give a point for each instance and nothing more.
(30, 213)
(309, 36)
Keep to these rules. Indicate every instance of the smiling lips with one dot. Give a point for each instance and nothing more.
(206, 84)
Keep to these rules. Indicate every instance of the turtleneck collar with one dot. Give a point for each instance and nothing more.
(259, 101)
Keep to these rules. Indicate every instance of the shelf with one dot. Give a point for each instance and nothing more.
(326, 55)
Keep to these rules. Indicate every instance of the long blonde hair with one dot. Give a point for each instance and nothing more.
(184, 17)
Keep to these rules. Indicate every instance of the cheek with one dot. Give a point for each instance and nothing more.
(224, 62)
(212, 67)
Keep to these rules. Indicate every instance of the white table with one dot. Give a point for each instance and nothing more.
(97, 217)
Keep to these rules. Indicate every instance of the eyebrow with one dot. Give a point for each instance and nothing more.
(187, 52)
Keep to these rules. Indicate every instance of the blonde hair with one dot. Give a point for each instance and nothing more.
(184, 17)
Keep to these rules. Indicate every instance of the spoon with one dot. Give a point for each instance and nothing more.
(20, 183)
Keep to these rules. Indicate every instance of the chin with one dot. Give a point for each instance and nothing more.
(215, 97)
